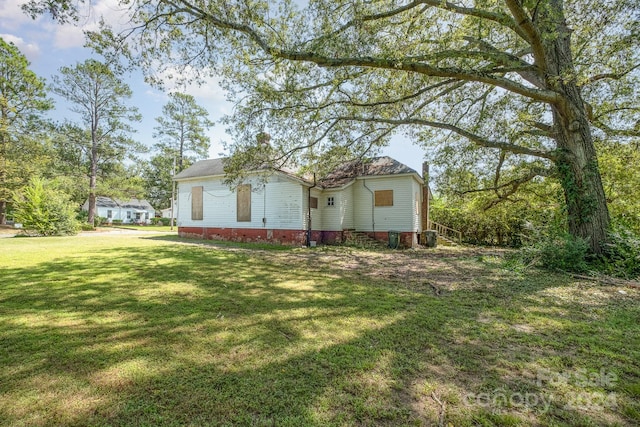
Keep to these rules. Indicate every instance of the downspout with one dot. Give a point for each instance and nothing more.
(373, 215)
(264, 205)
(309, 211)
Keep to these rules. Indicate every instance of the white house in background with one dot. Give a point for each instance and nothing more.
(133, 211)
(166, 212)
(372, 197)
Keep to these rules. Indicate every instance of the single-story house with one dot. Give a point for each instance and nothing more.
(132, 211)
(166, 212)
(371, 197)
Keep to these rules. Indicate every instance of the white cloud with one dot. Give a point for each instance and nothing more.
(30, 50)
(207, 89)
(70, 36)
(11, 15)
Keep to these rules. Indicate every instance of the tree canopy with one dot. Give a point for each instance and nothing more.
(181, 129)
(518, 89)
(101, 140)
(22, 98)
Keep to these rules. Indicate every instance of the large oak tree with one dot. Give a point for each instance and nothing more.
(524, 85)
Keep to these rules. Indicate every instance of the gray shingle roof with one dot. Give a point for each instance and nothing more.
(140, 204)
(108, 202)
(376, 166)
(342, 175)
(200, 168)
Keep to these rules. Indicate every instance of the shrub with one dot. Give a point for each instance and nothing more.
(100, 220)
(622, 255)
(82, 216)
(556, 252)
(161, 221)
(116, 222)
(43, 210)
(564, 252)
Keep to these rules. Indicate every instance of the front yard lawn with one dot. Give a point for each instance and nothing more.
(159, 331)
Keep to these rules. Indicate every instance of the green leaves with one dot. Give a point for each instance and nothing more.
(43, 210)
(102, 139)
(22, 98)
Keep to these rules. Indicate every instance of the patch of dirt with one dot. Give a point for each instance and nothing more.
(8, 230)
(436, 271)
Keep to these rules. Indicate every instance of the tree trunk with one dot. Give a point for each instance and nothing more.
(587, 213)
(93, 179)
(588, 216)
(3, 212)
(92, 200)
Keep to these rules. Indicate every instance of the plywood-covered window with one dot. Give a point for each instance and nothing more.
(196, 203)
(384, 198)
(313, 202)
(244, 203)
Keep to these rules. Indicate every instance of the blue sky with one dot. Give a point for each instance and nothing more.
(49, 46)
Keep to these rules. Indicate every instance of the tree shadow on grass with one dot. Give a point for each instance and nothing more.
(168, 336)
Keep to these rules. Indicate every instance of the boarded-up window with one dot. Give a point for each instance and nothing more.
(244, 203)
(196, 203)
(313, 202)
(384, 197)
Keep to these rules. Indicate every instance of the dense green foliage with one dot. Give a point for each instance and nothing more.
(622, 254)
(22, 99)
(621, 178)
(181, 131)
(101, 140)
(43, 210)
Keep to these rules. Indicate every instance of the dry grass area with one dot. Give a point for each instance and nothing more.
(135, 330)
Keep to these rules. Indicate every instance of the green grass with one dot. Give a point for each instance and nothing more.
(149, 330)
(164, 228)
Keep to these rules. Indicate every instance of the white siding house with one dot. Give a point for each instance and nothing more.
(128, 211)
(372, 197)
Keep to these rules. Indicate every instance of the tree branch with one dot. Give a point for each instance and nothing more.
(478, 140)
(373, 62)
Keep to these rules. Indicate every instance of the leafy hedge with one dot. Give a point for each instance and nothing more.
(43, 210)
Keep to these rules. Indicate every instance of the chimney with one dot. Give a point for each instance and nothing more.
(263, 138)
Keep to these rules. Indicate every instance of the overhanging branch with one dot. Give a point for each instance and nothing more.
(478, 140)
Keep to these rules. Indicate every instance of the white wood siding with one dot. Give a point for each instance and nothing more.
(417, 205)
(316, 214)
(283, 203)
(340, 215)
(119, 213)
(279, 202)
(399, 217)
